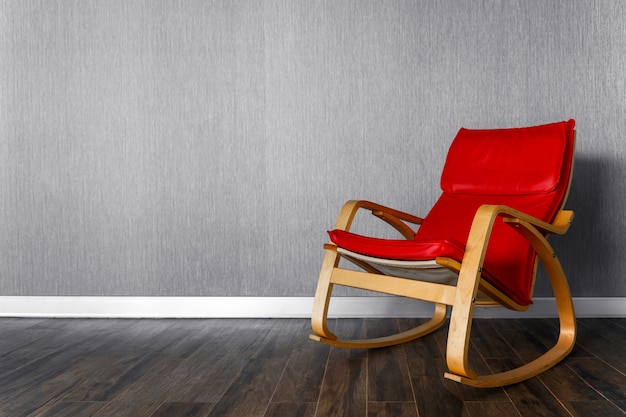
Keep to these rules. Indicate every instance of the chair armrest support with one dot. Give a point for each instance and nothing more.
(393, 217)
(560, 225)
(484, 219)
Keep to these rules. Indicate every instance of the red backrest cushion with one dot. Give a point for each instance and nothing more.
(506, 161)
(524, 168)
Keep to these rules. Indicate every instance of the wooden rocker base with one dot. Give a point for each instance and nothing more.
(558, 352)
(461, 298)
(438, 319)
(546, 361)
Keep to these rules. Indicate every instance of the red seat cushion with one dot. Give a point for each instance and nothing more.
(509, 261)
(534, 162)
(420, 249)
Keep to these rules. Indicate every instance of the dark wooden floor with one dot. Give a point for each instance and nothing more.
(65, 367)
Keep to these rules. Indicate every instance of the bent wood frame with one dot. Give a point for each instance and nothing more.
(462, 297)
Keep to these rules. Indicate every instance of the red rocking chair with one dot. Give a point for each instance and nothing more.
(503, 194)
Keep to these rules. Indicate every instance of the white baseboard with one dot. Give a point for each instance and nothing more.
(273, 307)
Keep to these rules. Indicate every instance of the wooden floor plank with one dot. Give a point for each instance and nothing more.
(344, 389)
(426, 366)
(51, 377)
(602, 377)
(487, 339)
(531, 397)
(524, 343)
(185, 337)
(269, 368)
(302, 379)
(251, 392)
(183, 410)
(349, 329)
(431, 395)
(604, 339)
(618, 322)
(21, 349)
(489, 409)
(291, 410)
(566, 385)
(19, 332)
(391, 409)
(163, 381)
(388, 374)
(104, 378)
(546, 331)
(594, 408)
(147, 383)
(207, 374)
(127, 409)
(69, 409)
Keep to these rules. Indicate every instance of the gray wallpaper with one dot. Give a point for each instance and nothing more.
(204, 147)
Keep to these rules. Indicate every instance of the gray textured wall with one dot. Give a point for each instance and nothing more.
(204, 147)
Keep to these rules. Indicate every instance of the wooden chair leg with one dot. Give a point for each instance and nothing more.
(563, 346)
(319, 317)
(458, 346)
(323, 293)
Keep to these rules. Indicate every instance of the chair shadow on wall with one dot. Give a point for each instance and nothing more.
(588, 252)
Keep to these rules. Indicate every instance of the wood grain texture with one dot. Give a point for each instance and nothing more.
(532, 397)
(602, 377)
(593, 408)
(382, 409)
(291, 409)
(388, 374)
(489, 409)
(304, 372)
(203, 148)
(183, 410)
(344, 389)
(247, 368)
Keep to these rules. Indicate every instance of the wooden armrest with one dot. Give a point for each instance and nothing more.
(480, 232)
(398, 223)
(560, 225)
(393, 217)
(486, 215)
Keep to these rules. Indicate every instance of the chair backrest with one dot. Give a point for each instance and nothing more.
(528, 169)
